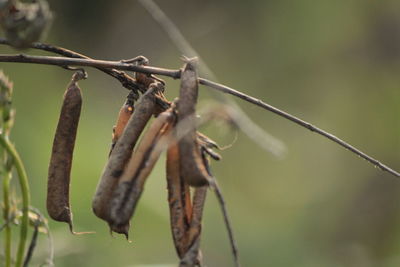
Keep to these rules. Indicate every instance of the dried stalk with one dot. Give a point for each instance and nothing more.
(126, 81)
(62, 61)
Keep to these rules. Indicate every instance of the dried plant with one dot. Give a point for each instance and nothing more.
(130, 162)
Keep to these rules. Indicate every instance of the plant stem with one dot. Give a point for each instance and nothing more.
(23, 181)
(6, 216)
(62, 61)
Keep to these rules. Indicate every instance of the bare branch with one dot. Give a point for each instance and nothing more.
(309, 126)
(62, 61)
(125, 80)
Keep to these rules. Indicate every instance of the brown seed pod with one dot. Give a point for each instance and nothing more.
(131, 183)
(199, 199)
(120, 155)
(192, 168)
(123, 116)
(58, 206)
(193, 255)
(179, 201)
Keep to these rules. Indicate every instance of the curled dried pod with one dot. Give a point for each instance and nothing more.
(192, 168)
(180, 206)
(120, 155)
(131, 183)
(58, 206)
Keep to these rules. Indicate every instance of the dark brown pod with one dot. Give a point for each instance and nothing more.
(131, 182)
(120, 155)
(123, 117)
(58, 206)
(180, 206)
(192, 168)
(192, 255)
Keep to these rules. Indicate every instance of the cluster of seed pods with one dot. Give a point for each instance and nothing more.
(131, 161)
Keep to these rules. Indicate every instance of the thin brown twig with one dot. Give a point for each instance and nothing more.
(222, 204)
(309, 126)
(125, 80)
(62, 61)
(220, 197)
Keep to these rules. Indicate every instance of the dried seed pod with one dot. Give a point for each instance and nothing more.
(120, 156)
(193, 255)
(179, 201)
(185, 217)
(123, 117)
(131, 183)
(199, 199)
(58, 206)
(191, 165)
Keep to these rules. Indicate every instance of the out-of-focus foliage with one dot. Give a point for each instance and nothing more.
(24, 23)
(333, 63)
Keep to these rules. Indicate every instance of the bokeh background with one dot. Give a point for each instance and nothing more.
(335, 64)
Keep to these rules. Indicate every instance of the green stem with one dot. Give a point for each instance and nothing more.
(6, 215)
(23, 181)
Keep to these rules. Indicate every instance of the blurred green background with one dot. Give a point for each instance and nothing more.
(335, 64)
